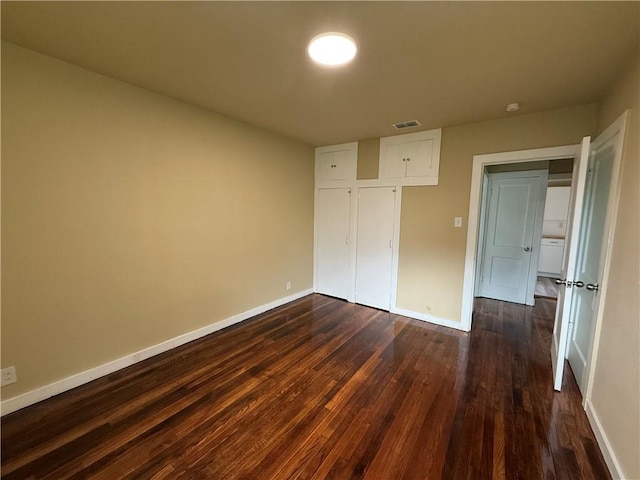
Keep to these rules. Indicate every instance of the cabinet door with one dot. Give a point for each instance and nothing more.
(550, 259)
(333, 209)
(393, 164)
(412, 159)
(419, 157)
(336, 162)
(374, 257)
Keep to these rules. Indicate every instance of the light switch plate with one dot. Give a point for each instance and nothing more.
(8, 376)
(457, 221)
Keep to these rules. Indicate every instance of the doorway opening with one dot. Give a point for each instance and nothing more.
(522, 229)
(480, 163)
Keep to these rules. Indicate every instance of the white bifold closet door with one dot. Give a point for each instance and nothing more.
(374, 257)
(333, 216)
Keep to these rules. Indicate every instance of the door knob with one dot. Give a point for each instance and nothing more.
(560, 282)
(592, 288)
(578, 284)
(527, 249)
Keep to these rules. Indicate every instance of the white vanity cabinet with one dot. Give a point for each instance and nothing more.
(413, 158)
(336, 163)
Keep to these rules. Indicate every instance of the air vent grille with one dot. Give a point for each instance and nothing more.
(408, 124)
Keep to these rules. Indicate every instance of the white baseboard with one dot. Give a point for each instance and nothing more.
(429, 318)
(29, 398)
(603, 442)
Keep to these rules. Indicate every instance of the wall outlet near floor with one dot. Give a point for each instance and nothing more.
(288, 285)
(8, 376)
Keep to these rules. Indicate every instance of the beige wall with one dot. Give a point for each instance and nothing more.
(130, 218)
(616, 386)
(431, 263)
(368, 158)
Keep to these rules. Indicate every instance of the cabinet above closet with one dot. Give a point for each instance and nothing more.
(410, 159)
(413, 158)
(336, 163)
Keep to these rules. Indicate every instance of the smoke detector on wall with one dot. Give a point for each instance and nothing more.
(407, 124)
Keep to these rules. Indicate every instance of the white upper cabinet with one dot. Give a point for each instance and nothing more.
(413, 158)
(336, 163)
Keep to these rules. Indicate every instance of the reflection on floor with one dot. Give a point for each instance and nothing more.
(546, 287)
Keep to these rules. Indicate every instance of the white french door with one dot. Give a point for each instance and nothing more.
(565, 295)
(586, 251)
(587, 274)
(374, 257)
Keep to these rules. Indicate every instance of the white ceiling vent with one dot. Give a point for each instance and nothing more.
(410, 123)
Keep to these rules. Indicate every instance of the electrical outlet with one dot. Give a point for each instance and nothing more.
(457, 222)
(288, 285)
(8, 376)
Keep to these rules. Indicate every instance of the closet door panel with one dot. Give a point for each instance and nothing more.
(374, 257)
(332, 242)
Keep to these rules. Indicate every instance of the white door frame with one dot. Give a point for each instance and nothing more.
(480, 162)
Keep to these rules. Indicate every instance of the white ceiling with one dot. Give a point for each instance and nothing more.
(442, 63)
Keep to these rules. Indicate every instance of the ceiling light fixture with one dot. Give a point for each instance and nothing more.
(332, 49)
(513, 107)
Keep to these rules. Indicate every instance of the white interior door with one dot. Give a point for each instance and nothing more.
(584, 304)
(513, 225)
(565, 295)
(333, 217)
(376, 208)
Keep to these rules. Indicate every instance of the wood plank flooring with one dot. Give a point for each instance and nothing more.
(321, 389)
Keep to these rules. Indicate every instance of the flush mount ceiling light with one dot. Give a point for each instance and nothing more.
(332, 49)
(513, 107)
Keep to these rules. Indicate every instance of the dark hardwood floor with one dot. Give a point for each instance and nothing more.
(320, 389)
